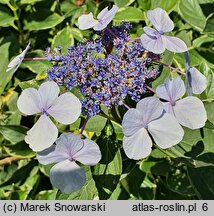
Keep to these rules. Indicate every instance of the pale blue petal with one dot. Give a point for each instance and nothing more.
(90, 153)
(67, 176)
(29, 102)
(66, 108)
(49, 92)
(86, 21)
(69, 143)
(174, 44)
(152, 33)
(153, 45)
(166, 131)
(51, 155)
(190, 112)
(132, 122)
(160, 20)
(105, 17)
(171, 90)
(139, 145)
(150, 108)
(198, 81)
(42, 135)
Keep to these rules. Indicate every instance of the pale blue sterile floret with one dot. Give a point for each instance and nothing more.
(66, 174)
(154, 40)
(149, 118)
(188, 111)
(65, 108)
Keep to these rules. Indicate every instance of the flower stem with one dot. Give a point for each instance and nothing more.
(170, 67)
(125, 105)
(34, 59)
(83, 127)
(151, 89)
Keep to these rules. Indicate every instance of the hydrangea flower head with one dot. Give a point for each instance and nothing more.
(148, 117)
(154, 40)
(189, 111)
(67, 175)
(65, 108)
(15, 63)
(103, 19)
(196, 81)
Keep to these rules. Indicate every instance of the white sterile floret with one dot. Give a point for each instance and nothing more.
(15, 63)
(149, 118)
(65, 108)
(154, 40)
(67, 175)
(103, 19)
(189, 111)
(196, 81)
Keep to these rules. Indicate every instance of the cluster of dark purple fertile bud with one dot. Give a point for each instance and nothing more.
(105, 70)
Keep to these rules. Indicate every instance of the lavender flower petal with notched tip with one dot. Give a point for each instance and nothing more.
(65, 108)
(189, 111)
(103, 19)
(149, 118)
(67, 175)
(154, 40)
(15, 63)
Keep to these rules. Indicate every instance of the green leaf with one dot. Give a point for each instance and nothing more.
(145, 4)
(210, 114)
(203, 39)
(13, 133)
(29, 1)
(186, 8)
(20, 149)
(6, 19)
(87, 192)
(107, 173)
(42, 19)
(46, 195)
(4, 55)
(29, 84)
(205, 1)
(77, 34)
(123, 3)
(63, 38)
(166, 5)
(202, 181)
(130, 14)
(209, 25)
(178, 181)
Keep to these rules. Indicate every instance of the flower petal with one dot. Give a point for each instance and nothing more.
(105, 17)
(160, 20)
(90, 153)
(42, 135)
(190, 112)
(174, 44)
(150, 108)
(139, 145)
(86, 21)
(15, 63)
(50, 155)
(153, 45)
(198, 82)
(152, 33)
(66, 108)
(166, 131)
(48, 91)
(69, 144)
(171, 90)
(67, 176)
(29, 101)
(132, 122)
